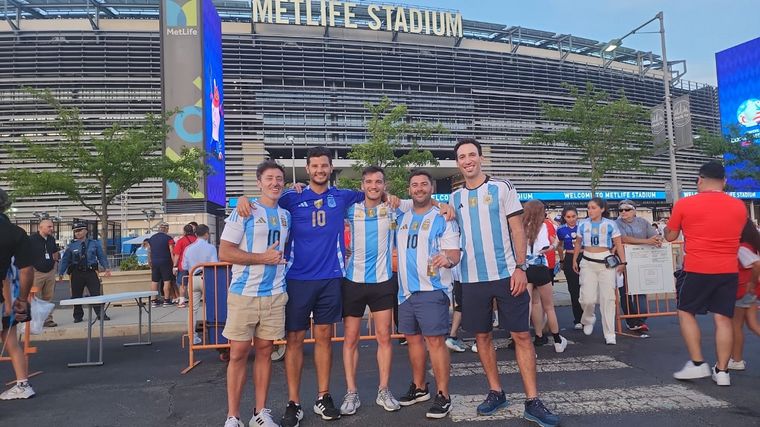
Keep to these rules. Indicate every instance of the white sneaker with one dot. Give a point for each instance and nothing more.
(233, 422)
(456, 345)
(197, 339)
(263, 419)
(588, 329)
(495, 322)
(610, 340)
(350, 403)
(387, 401)
(474, 348)
(18, 391)
(690, 371)
(733, 365)
(560, 346)
(721, 378)
(578, 326)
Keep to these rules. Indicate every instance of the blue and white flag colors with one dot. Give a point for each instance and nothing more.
(255, 234)
(372, 242)
(482, 213)
(418, 238)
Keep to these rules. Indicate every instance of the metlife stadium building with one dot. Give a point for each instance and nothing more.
(304, 69)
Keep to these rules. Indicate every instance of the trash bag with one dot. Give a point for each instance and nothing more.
(40, 311)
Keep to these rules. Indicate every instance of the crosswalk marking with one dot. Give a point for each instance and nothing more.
(558, 364)
(592, 401)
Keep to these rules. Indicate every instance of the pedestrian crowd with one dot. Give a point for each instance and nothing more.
(484, 252)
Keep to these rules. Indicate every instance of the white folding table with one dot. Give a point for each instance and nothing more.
(143, 304)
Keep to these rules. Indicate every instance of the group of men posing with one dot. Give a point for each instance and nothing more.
(289, 269)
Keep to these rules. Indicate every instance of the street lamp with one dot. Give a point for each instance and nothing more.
(293, 156)
(149, 215)
(614, 44)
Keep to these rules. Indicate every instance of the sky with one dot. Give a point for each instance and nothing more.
(694, 29)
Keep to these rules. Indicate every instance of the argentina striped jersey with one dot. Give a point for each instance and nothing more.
(597, 234)
(255, 234)
(482, 213)
(418, 237)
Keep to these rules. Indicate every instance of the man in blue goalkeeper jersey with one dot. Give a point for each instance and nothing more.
(493, 268)
(256, 299)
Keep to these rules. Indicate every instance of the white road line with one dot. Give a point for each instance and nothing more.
(592, 401)
(558, 364)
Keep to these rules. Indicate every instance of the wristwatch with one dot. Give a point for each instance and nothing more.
(523, 266)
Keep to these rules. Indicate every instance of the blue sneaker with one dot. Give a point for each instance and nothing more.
(494, 401)
(536, 411)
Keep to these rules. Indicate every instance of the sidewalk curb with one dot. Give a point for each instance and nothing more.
(80, 332)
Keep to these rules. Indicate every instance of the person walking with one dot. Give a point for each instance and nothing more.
(599, 238)
(46, 254)
(711, 222)
(177, 254)
(161, 245)
(199, 252)
(16, 259)
(539, 274)
(81, 261)
(567, 234)
(745, 310)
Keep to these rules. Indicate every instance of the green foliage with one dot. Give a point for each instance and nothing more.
(103, 166)
(130, 264)
(608, 134)
(742, 151)
(389, 146)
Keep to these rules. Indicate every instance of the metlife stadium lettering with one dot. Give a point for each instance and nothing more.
(333, 13)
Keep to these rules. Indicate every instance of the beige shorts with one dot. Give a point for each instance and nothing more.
(260, 317)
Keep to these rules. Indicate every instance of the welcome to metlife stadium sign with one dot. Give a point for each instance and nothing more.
(332, 13)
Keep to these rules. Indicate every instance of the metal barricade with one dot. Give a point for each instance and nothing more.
(212, 274)
(657, 305)
(26, 342)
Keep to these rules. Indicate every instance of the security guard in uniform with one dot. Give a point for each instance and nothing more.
(80, 261)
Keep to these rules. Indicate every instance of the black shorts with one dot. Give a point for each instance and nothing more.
(477, 303)
(699, 293)
(161, 273)
(357, 296)
(457, 296)
(539, 275)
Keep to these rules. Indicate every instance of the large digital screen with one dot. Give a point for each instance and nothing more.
(213, 102)
(739, 96)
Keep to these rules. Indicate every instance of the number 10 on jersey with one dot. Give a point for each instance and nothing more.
(318, 219)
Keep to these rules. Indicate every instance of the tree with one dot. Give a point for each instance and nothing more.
(740, 152)
(389, 132)
(110, 163)
(608, 134)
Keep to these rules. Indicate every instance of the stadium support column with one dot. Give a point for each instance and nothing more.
(669, 114)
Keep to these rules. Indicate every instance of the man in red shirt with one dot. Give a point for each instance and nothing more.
(711, 222)
(179, 253)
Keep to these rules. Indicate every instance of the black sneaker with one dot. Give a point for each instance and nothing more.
(441, 407)
(539, 341)
(293, 415)
(536, 411)
(414, 395)
(326, 408)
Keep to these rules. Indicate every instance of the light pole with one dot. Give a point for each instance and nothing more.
(293, 156)
(614, 44)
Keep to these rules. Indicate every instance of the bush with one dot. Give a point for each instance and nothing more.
(130, 264)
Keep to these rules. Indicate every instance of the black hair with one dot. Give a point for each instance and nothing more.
(318, 152)
(420, 172)
(751, 235)
(712, 170)
(193, 223)
(565, 210)
(187, 229)
(266, 165)
(201, 230)
(373, 169)
(465, 141)
(602, 204)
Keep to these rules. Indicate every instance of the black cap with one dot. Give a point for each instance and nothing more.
(78, 225)
(712, 170)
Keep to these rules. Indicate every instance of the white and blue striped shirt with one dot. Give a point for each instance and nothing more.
(255, 234)
(482, 213)
(597, 234)
(372, 241)
(418, 237)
